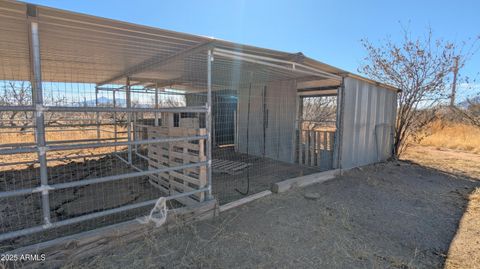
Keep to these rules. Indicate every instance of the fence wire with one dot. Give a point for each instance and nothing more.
(257, 129)
(120, 132)
(98, 166)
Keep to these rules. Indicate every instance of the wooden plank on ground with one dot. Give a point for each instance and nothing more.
(90, 243)
(244, 200)
(304, 180)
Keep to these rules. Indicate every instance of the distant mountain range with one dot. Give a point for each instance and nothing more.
(103, 101)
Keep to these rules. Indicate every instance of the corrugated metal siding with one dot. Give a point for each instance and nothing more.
(368, 120)
(279, 133)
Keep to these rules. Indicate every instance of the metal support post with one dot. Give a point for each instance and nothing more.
(37, 95)
(129, 120)
(156, 103)
(209, 123)
(337, 159)
(134, 130)
(97, 114)
(115, 120)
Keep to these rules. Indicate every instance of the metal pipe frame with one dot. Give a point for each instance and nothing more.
(26, 126)
(100, 145)
(56, 131)
(71, 130)
(54, 126)
(19, 163)
(134, 129)
(148, 89)
(80, 183)
(208, 124)
(157, 62)
(128, 143)
(115, 119)
(42, 147)
(126, 162)
(121, 89)
(36, 229)
(143, 125)
(113, 132)
(253, 59)
(265, 61)
(192, 109)
(80, 141)
(129, 120)
(57, 142)
(57, 159)
(156, 104)
(37, 96)
(142, 156)
(339, 126)
(97, 114)
(46, 125)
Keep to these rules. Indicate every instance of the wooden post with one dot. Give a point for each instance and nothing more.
(312, 147)
(319, 148)
(454, 82)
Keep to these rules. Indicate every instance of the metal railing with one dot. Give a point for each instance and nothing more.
(42, 147)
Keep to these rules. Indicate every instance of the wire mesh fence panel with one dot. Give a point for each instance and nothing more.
(99, 119)
(75, 142)
(255, 126)
(19, 172)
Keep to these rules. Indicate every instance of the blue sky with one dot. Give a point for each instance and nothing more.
(329, 31)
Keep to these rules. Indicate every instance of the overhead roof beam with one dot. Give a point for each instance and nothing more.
(275, 63)
(319, 88)
(157, 61)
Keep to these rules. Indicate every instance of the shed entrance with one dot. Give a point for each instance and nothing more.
(317, 130)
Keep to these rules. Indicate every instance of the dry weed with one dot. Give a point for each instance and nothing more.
(457, 136)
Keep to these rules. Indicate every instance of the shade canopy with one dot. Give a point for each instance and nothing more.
(78, 48)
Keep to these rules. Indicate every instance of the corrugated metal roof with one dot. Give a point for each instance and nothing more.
(83, 48)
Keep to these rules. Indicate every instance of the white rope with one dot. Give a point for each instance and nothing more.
(160, 208)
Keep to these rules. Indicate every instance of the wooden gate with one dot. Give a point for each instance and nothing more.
(315, 148)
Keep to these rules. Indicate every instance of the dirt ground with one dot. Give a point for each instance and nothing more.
(390, 215)
(452, 161)
(464, 250)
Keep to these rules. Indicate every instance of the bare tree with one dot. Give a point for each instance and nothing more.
(421, 68)
(319, 111)
(19, 93)
(16, 94)
(470, 113)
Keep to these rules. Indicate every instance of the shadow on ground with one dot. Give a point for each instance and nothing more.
(391, 215)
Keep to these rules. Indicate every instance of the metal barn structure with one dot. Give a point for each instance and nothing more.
(100, 118)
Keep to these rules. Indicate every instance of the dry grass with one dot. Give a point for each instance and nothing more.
(448, 160)
(14, 136)
(457, 136)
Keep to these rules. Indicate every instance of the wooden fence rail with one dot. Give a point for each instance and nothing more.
(316, 148)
